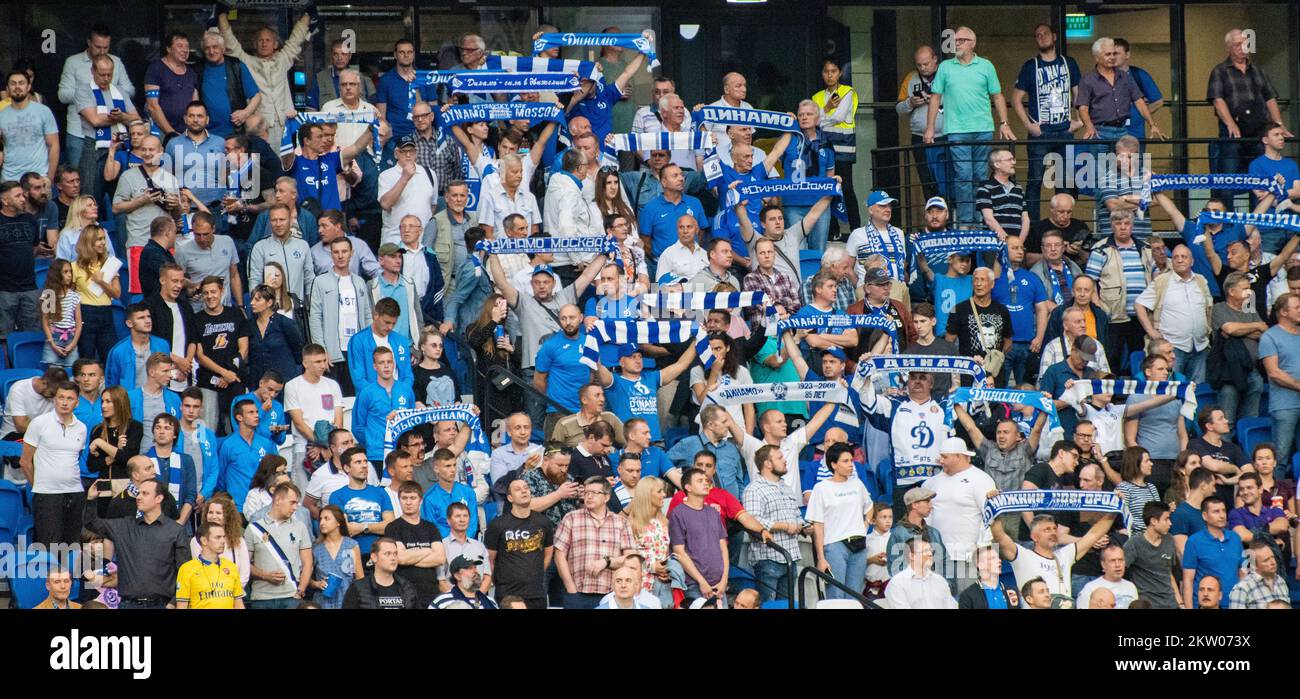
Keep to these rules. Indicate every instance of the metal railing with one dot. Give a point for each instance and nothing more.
(896, 169)
(825, 579)
(491, 411)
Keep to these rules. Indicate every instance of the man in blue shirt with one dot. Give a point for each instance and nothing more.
(1216, 551)
(393, 93)
(597, 98)
(658, 218)
(216, 91)
(634, 393)
(1049, 81)
(196, 153)
(1027, 303)
(376, 401)
(272, 425)
(1074, 368)
(317, 168)
(716, 430)
(559, 372)
(1274, 165)
(446, 490)
(1137, 125)
(239, 456)
(1187, 519)
(367, 508)
(380, 334)
(89, 375)
(654, 461)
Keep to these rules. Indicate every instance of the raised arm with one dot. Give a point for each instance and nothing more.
(501, 281)
(971, 428)
(351, 151)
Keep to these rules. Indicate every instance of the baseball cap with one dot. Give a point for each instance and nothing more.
(917, 494)
(628, 350)
(876, 275)
(462, 562)
(671, 278)
(542, 269)
(936, 202)
(407, 141)
(837, 353)
(880, 197)
(955, 445)
(1086, 348)
(390, 249)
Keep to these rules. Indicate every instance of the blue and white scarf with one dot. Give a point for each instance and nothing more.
(945, 243)
(1290, 222)
(1036, 399)
(589, 70)
(482, 82)
(729, 393)
(605, 245)
(352, 116)
(103, 105)
(890, 244)
(1229, 182)
(704, 301)
(821, 323)
(477, 450)
(1184, 391)
(894, 363)
(762, 189)
(1058, 296)
(499, 111)
(739, 116)
(634, 42)
(666, 140)
(1058, 500)
(636, 332)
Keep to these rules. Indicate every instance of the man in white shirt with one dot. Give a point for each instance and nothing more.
(406, 189)
(1047, 559)
(76, 76)
(349, 100)
(734, 91)
(566, 210)
(685, 258)
(959, 494)
(308, 399)
(1178, 310)
(776, 433)
(51, 451)
(917, 586)
(1112, 578)
(673, 118)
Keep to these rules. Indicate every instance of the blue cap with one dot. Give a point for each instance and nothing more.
(837, 353)
(405, 141)
(628, 350)
(880, 197)
(543, 269)
(671, 278)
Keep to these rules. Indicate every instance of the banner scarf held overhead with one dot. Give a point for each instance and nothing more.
(1290, 222)
(352, 116)
(732, 393)
(1184, 391)
(482, 82)
(589, 70)
(704, 301)
(738, 116)
(598, 244)
(917, 362)
(945, 243)
(634, 42)
(478, 450)
(1224, 181)
(824, 186)
(458, 114)
(1058, 500)
(670, 141)
(1036, 399)
(639, 332)
(878, 321)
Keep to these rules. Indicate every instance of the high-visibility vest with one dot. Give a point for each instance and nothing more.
(841, 136)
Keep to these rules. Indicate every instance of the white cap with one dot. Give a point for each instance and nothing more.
(955, 445)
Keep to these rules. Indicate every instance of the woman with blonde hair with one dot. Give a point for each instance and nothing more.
(645, 514)
(435, 382)
(220, 508)
(97, 293)
(82, 212)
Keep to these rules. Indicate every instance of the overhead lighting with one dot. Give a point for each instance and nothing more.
(688, 31)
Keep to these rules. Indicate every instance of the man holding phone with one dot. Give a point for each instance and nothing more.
(105, 111)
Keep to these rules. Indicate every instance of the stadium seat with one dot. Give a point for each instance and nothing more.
(9, 377)
(118, 310)
(490, 511)
(779, 604)
(1134, 363)
(25, 349)
(1206, 395)
(28, 582)
(675, 435)
(1252, 431)
(11, 511)
(809, 262)
(42, 269)
(838, 604)
(1295, 467)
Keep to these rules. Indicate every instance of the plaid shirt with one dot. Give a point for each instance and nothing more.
(426, 151)
(1253, 593)
(769, 503)
(447, 164)
(778, 287)
(584, 540)
(845, 294)
(1241, 91)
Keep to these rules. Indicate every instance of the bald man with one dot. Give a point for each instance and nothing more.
(914, 103)
(142, 200)
(734, 91)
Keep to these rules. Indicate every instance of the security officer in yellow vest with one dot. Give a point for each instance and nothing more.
(839, 105)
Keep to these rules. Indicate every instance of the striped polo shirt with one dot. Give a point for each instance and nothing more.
(1007, 202)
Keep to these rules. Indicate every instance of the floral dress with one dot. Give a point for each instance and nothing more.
(654, 547)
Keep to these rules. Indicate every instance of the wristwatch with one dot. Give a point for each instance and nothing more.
(609, 562)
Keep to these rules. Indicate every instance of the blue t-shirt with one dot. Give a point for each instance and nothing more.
(318, 179)
(658, 220)
(394, 91)
(560, 357)
(630, 399)
(24, 132)
(599, 109)
(948, 292)
(1150, 92)
(1186, 520)
(1263, 166)
(1053, 381)
(801, 150)
(654, 461)
(727, 216)
(436, 501)
(1277, 342)
(1029, 291)
(1048, 85)
(626, 308)
(364, 506)
(1209, 556)
(216, 99)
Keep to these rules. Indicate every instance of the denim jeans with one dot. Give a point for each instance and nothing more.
(49, 358)
(72, 150)
(1229, 156)
(1285, 421)
(581, 600)
(281, 603)
(1192, 364)
(1017, 366)
(1037, 151)
(1078, 582)
(772, 580)
(1234, 405)
(847, 567)
(968, 166)
(20, 310)
(97, 332)
(817, 235)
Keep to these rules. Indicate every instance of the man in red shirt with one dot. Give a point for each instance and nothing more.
(733, 514)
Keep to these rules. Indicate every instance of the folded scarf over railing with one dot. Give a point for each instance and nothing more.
(1184, 391)
(666, 140)
(731, 393)
(894, 363)
(483, 82)
(352, 116)
(738, 116)
(634, 42)
(1290, 222)
(1009, 501)
(944, 243)
(528, 64)
(762, 189)
(637, 332)
(1224, 181)
(1036, 399)
(705, 301)
(821, 323)
(477, 449)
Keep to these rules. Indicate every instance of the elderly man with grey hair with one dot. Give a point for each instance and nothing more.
(841, 266)
(1245, 103)
(239, 99)
(269, 63)
(1120, 176)
(350, 86)
(673, 118)
(1122, 266)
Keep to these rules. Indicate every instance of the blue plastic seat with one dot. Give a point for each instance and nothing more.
(9, 377)
(1134, 363)
(1206, 396)
(1295, 467)
(1252, 431)
(11, 511)
(28, 582)
(25, 349)
(809, 262)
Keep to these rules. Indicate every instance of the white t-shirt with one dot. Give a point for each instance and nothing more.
(324, 482)
(58, 450)
(348, 322)
(841, 507)
(877, 543)
(316, 401)
(790, 447)
(959, 509)
(737, 412)
(419, 198)
(1055, 572)
(1125, 592)
(178, 341)
(25, 401)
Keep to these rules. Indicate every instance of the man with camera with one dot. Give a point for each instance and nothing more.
(143, 194)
